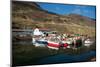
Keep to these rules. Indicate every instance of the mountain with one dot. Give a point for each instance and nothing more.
(82, 19)
(28, 15)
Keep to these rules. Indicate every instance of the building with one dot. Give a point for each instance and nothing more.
(28, 33)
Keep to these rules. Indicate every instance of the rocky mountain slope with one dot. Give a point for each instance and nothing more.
(28, 15)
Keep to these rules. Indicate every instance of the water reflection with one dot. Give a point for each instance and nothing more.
(65, 58)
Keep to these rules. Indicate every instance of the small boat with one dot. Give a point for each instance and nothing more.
(88, 42)
(53, 45)
(39, 43)
(23, 37)
(56, 46)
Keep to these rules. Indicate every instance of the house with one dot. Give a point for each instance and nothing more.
(46, 31)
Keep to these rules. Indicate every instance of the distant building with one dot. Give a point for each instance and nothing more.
(44, 30)
(29, 32)
(37, 32)
(47, 31)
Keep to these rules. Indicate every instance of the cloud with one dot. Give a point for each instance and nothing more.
(78, 11)
(57, 8)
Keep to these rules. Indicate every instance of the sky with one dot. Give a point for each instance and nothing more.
(65, 9)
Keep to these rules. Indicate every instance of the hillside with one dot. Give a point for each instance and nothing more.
(28, 15)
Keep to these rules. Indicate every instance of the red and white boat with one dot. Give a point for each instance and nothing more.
(53, 45)
(56, 46)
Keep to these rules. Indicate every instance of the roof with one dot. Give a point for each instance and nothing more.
(43, 29)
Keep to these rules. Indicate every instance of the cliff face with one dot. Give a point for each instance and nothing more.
(28, 15)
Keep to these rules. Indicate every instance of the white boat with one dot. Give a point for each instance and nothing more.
(88, 42)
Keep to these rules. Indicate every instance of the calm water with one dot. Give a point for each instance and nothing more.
(64, 58)
(23, 42)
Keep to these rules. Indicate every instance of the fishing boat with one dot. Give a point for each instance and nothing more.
(53, 45)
